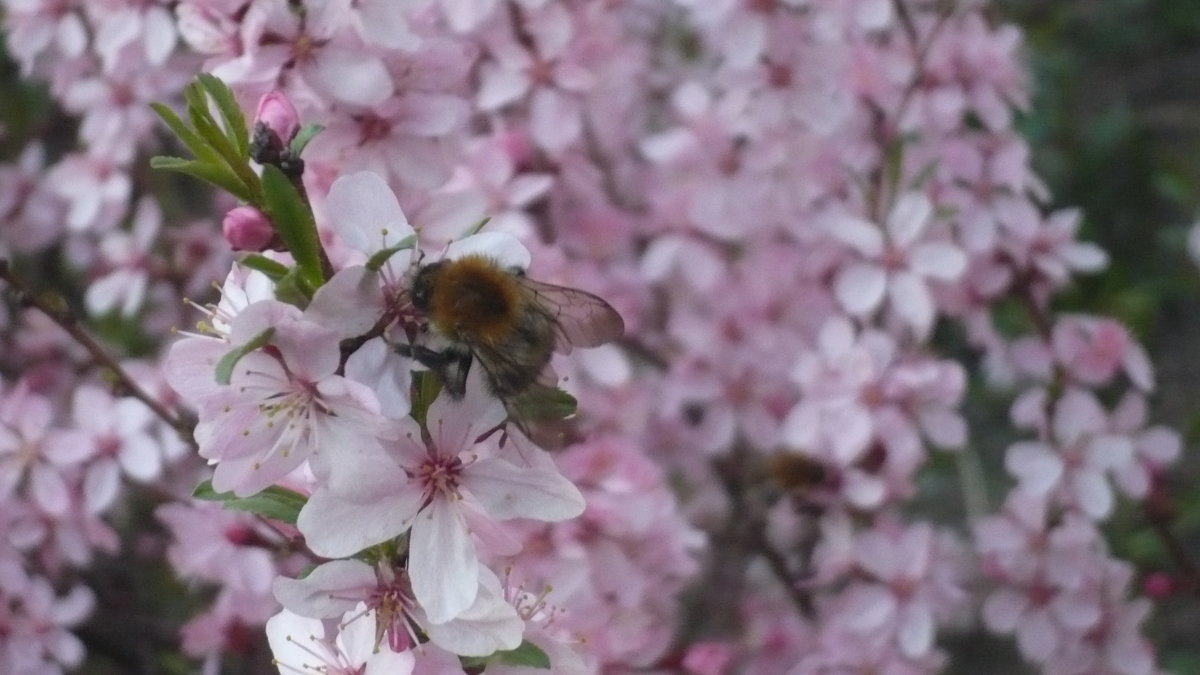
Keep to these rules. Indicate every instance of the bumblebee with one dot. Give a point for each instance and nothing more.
(508, 323)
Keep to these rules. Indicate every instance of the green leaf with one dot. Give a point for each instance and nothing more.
(215, 173)
(274, 270)
(275, 502)
(376, 262)
(526, 654)
(224, 370)
(195, 100)
(306, 134)
(239, 162)
(186, 134)
(231, 112)
(425, 388)
(293, 220)
(293, 289)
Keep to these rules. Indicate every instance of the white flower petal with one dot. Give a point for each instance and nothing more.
(488, 625)
(909, 218)
(350, 76)
(365, 213)
(505, 249)
(863, 235)
(1035, 465)
(860, 287)
(331, 589)
(49, 490)
(293, 640)
(1003, 609)
(507, 491)
(914, 630)
(140, 458)
(350, 303)
(500, 86)
(442, 562)
(1092, 492)
(324, 519)
(938, 259)
(912, 301)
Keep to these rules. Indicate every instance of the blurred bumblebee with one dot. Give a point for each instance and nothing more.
(508, 323)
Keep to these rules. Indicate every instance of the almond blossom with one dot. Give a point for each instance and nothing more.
(34, 457)
(300, 645)
(1075, 464)
(436, 488)
(36, 619)
(488, 625)
(896, 262)
(782, 198)
(284, 404)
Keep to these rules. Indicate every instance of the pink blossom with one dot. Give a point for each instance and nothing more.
(95, 189)
(488, 625)
(36, 27)
(547, 72)
(300, 645)
(321, 50)
(1074, 465)
(1155, 448)
(411, 136)
(856, 397)
(124, 260)
(234, 619)
(1045, 247)
(436, 488)
(1092, 350)
(911, 581)
(31, 214)
(284, 404)
(34, 454)
(123, 25)
(36, 638)
(895, 262)
(119, 431)
(219, 546)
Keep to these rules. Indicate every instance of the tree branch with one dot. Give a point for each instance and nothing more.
(69, 322)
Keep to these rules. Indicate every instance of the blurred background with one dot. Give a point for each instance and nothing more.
(1115, 130)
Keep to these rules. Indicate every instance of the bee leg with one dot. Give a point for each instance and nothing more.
(451, 365)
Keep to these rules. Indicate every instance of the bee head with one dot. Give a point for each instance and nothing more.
(422, 286)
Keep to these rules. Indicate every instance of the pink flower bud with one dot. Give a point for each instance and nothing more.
(518, 146)
(708, 658)
(278, 114)
(1158, 585)
(247, 229)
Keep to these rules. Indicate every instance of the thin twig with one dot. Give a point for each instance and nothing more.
(70, 323)
(1160, 513)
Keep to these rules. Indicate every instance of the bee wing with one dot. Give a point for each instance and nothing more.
(580, 318)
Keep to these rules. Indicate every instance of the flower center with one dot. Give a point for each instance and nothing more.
(393, 604)
(441, 474)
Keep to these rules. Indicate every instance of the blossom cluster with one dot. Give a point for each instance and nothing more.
(788, 202)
